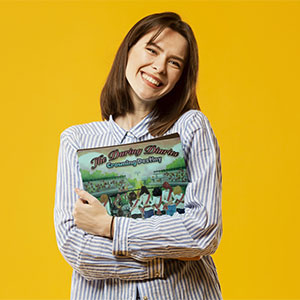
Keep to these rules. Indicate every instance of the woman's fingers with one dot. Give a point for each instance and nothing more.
(85, 196)
(92, 218)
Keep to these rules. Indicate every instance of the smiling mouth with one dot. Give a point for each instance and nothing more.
(151, 80)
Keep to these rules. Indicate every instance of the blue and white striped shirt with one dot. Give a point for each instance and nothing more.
(144, 254)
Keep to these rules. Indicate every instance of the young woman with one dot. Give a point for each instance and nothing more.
(157, 201)
(125, 205)
(104, 199)
(136, 206)
(150, 91)
(147, 202)
(178, 197)
(167, 198)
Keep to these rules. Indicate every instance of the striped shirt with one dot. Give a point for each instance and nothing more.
(144, 254)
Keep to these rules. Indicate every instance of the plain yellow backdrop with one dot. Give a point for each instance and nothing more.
(55, 56)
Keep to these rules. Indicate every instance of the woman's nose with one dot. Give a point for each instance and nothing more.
(159, 66)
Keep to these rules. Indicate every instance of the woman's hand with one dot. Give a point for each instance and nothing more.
(90, 215)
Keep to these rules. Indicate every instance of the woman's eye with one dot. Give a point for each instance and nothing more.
(151, 50)
(175, 63)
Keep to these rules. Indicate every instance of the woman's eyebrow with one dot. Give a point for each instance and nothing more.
(159, 48)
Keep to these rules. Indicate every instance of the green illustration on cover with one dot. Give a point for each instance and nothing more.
(137, 180)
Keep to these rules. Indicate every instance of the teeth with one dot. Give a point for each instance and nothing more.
(150, 79)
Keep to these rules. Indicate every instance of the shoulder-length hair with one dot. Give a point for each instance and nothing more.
(115, 99)
(144, 190)
(157, 192)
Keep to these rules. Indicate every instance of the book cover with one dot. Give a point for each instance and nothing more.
(137, 180)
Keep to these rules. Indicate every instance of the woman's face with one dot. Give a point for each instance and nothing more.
(153, 70)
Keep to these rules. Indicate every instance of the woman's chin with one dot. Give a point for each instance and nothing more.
(145, 99)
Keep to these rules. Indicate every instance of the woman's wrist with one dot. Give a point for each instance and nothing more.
(105, 227)
(112, 227)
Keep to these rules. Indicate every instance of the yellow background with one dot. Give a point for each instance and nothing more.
(55, 56)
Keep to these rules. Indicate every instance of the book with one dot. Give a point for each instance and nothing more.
(137, 180)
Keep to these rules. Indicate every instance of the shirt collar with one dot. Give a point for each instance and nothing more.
(137, 131)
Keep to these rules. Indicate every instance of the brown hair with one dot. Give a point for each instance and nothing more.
(166, 185)
(115, 99)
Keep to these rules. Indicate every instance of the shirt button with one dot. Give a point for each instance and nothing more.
(145, 298)
(157, 274)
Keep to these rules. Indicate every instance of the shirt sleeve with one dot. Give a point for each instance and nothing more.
(198, 231)
(89, 255)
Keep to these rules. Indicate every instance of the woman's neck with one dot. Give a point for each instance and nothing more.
(141, 109)
(129, 120)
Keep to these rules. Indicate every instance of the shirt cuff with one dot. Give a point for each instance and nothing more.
(120, 247)
(156, 268)
(120, 241)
